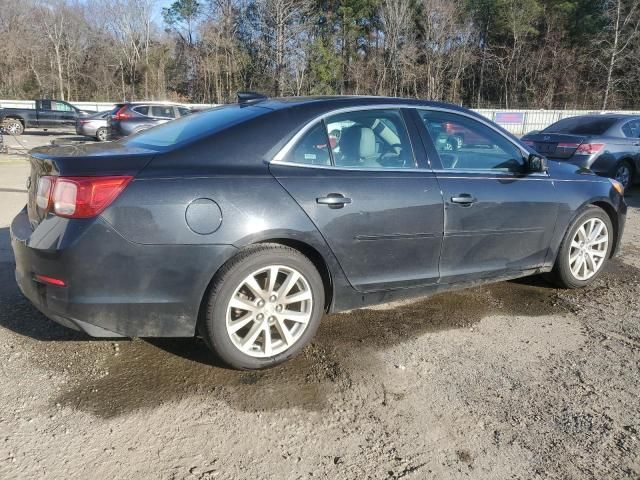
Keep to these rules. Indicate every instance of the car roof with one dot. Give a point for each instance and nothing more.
(338, 101)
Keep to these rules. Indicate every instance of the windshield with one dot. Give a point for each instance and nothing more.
(582, 126)
(193, 127)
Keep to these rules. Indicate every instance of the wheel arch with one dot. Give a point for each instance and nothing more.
(310, 252)
(613, 216)
(14, 117)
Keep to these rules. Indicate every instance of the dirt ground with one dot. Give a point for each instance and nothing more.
(511, 381)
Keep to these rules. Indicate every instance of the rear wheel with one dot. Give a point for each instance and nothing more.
(13, 126)
(263, 308)
(102, 135)
(624, 173)
(584, 249)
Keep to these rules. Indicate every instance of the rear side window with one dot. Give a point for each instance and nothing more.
(582, 126)
(142, 109)
(366, 139)
(184, 111)
(163, 111)
(631, 129)
(313, 149)
(193, 127)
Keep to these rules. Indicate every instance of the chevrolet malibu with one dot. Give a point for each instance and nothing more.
(246, 223)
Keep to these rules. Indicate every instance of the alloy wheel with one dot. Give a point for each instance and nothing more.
(269, 311)
(589, 248)
(13, 128)
(102, 134)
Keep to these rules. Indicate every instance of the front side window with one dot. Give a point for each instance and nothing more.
(467, 144)
(61, 107)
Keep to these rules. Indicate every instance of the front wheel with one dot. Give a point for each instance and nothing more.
(263, 307)
(13, 126)
(584, 249)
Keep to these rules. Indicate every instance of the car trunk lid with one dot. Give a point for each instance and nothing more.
(555, 145)
(81, 160)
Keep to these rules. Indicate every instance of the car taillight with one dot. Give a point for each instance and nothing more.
(43, 193)
(589, 148)
(122, 114)
(85, 197)
(531, 143)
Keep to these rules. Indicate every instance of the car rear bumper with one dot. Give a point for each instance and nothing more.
(113, 287)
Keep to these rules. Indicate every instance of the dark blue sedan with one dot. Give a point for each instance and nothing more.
(246, 223)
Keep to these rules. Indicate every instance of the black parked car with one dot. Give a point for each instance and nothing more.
(134, 117)
(46, 114)
(607, 144)
(246, 223)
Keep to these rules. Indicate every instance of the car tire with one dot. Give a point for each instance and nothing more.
(245, 321)
(102, 134)
(624, 173)
(576, 264)
(13, 126)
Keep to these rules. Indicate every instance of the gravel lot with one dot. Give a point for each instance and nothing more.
(514, 380)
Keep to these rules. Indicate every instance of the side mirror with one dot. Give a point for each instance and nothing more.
(536, 163)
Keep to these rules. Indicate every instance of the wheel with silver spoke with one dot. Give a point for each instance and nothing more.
(102, 135)
(13, 126)
(588, 249)
(585, 249)
(264, 306)
(269, 311)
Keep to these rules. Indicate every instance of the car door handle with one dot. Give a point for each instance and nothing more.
(463, 199)
(333, 200)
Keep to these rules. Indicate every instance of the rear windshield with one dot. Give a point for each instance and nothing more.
(193, 127)
(582, 126)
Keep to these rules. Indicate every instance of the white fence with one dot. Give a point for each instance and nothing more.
(516, 121)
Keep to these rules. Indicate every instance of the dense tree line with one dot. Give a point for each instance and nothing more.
(512, 53)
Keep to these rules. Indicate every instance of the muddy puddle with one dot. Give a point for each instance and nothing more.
(108, 380)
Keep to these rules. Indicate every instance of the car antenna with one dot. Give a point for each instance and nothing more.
(250, 97)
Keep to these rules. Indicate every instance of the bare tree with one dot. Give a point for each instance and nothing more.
(622, 33)
(281, 28)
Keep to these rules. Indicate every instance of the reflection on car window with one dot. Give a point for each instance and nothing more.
(374, 138)
(466, 144)
(313, 149)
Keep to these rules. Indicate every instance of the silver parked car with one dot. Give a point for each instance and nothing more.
(94, 126)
